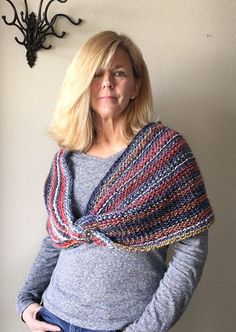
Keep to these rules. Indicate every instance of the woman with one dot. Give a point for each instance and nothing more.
(120, 190)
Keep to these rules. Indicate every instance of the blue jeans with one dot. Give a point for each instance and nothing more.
(47, 316)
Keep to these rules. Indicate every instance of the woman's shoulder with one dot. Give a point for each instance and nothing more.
(165, 131)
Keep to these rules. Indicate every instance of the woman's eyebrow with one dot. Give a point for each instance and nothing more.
(118, 66)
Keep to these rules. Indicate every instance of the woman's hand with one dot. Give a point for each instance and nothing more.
(35, 325)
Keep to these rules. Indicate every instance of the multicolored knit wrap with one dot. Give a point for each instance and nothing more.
(152, 196)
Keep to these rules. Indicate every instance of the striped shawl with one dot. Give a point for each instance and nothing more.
(152, 196)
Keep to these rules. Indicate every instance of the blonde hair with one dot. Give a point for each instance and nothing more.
(73, 126)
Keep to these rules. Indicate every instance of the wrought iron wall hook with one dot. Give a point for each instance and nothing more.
(35, 29)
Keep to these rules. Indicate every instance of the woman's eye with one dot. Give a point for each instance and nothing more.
(119, 73)
(98, 74)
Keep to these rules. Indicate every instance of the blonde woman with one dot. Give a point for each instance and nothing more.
(120, 191)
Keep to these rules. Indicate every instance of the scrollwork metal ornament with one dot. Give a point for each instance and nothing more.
(35, 29)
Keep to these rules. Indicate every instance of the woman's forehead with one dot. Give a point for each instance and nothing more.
(120, 58)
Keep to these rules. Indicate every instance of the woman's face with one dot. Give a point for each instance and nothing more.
(112, 89)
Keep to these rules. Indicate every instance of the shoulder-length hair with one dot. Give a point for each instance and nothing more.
(73, 126)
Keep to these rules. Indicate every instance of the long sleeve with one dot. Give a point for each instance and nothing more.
(176, 288)
(38, 277)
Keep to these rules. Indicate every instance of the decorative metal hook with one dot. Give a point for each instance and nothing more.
(35, 29)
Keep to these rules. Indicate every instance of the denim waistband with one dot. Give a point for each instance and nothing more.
(47, 316)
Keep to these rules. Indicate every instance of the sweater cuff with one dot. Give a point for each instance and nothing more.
(22, 308)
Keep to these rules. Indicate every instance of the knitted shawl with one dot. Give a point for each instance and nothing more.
(152, 196)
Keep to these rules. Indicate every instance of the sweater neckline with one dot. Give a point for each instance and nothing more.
(92, 157)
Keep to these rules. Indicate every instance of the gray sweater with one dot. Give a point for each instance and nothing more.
(102, 288)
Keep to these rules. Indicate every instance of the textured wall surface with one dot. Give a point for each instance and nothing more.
(190, 50)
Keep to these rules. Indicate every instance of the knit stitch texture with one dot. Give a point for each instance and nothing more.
(152, 196)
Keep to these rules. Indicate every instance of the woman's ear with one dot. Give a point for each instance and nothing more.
(137, 84)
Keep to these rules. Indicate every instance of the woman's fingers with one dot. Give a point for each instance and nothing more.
(38, 326)
(34, 324)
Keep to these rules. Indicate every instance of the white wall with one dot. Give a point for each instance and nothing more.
(190, 49)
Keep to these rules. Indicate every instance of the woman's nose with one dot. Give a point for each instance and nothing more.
(107, 81)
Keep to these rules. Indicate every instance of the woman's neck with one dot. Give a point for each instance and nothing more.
(108, 139)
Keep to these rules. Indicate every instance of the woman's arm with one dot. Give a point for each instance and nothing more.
(38, 277)
(176, 287)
